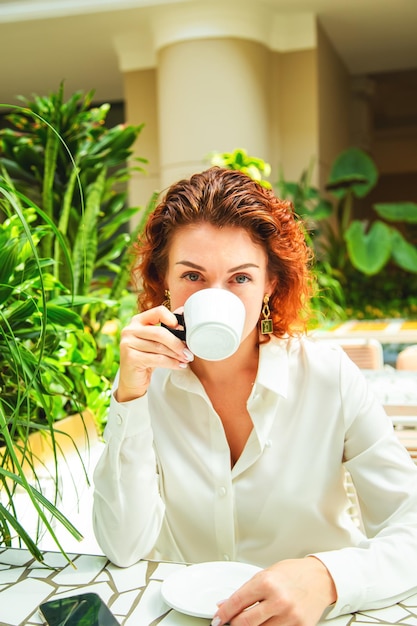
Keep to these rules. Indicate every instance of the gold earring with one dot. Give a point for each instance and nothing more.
(267, 326)
(167, 301)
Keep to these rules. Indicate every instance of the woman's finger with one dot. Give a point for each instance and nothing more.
(144, 334)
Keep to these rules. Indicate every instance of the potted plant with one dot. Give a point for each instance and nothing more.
(34, 390)
(62, 156)
(64, 271)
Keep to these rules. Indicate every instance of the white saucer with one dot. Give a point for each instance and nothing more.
(196, 589)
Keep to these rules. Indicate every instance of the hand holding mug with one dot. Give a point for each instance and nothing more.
(144, 346)
(212, 322)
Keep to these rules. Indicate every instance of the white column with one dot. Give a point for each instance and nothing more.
(215, 80)
(212, 95)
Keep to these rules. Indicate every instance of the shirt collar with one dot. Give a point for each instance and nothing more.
(272, 370)
(273, 366)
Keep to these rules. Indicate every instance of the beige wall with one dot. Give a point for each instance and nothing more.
(334, 105)
(295, 102)
(141, 108)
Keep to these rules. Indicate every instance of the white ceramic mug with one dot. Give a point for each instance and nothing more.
(214, 321)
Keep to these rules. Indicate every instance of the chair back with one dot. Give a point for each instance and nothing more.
(367, 353)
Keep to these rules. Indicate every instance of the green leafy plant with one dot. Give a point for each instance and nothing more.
(64, 274)
(239, 159)
(32, 326)
(368, 246)
(64, 158)
(373, 263)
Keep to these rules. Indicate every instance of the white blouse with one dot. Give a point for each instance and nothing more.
(165, 489)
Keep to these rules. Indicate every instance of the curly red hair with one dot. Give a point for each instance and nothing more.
(224, 197)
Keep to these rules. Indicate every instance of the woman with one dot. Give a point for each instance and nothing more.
(243, 459)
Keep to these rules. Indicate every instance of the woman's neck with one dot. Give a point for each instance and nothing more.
(244, 359)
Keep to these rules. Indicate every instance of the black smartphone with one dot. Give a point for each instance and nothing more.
(84, 609)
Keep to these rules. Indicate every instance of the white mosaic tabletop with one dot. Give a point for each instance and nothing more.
(133, 594)
(398, 387)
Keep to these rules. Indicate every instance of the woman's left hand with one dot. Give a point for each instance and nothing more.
(294, 592)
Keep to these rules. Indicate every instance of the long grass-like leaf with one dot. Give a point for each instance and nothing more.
(59, 272)
(32, 493)
(47, 504)
(51, 154)
(85, 246)
(8, 519)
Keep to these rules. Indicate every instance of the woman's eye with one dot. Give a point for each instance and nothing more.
(193, 276)
(242, 278)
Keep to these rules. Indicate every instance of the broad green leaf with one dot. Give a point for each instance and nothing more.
(368, 251)
(113, 249)
(22, 312)
(91, 378)
(288, 188)
(397, 211)
(76, 301)
(320, 211)
(63, 316)
(403, 252)
(109, 229)
(8, 260)
(116, 203)
(353, 169)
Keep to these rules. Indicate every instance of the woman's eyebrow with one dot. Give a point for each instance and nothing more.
(232, 269)
(190, 264)
(244, 266)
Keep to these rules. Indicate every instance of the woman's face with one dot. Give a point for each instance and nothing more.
(202, 256)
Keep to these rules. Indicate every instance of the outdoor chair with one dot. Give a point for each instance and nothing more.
(367, 353)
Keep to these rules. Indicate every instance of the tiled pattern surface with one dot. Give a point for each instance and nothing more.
(133, 594)
(395, 387)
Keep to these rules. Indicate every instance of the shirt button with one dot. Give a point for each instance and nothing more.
(222, 491)
(268, 443)
(119, 419)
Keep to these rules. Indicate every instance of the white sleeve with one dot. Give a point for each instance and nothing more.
(382, 569)
(127, 510)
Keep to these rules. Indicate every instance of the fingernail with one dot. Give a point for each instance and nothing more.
(216, 621)
(183, 365)
(188, 355)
